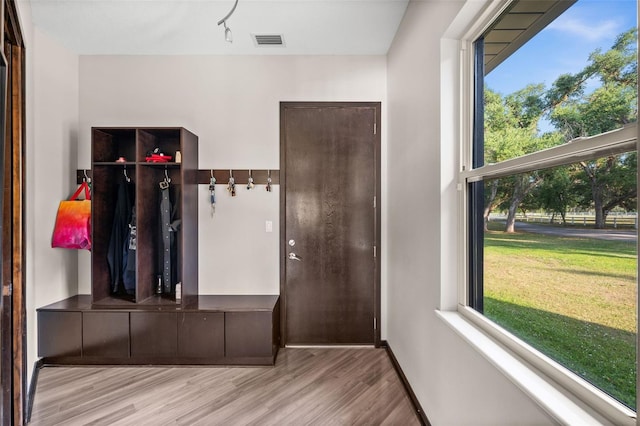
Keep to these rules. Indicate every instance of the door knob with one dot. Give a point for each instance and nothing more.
(293, 256)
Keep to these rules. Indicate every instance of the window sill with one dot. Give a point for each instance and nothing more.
(560, 404)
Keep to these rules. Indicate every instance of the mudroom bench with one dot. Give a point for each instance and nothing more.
(222, 330)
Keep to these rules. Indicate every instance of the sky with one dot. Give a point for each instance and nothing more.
(565, 44)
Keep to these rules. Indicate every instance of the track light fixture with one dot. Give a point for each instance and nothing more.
(227, 31)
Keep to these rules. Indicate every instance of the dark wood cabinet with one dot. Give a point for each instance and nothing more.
(59, 334)
(201, 335)
(248, 334)
(105, 334)
(223, 330)
(120, 154)
(154, 334)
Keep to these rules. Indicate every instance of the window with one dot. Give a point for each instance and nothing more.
(551, 190)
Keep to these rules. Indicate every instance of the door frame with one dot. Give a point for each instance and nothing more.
(283, 199)
(12, 265)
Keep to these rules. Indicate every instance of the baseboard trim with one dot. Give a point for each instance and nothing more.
(32, 388)
(412, 396)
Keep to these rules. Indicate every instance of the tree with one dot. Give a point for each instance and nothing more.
(575, 113)
(609, 182)
(556, 194)
(522, 185)
(511, 130)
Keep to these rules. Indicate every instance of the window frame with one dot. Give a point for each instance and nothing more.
(470, 178)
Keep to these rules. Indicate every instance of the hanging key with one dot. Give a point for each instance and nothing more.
(250, 184)
(212, 192)
(231, 187)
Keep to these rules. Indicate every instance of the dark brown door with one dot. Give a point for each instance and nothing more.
(329, 182)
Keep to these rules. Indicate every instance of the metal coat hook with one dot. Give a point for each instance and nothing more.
(268, 188)
(86, 178)
(165, 183)
(126, 176)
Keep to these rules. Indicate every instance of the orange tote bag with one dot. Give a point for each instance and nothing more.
(73, 222)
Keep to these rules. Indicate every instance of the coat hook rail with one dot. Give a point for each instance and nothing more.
(222, 176)
(240, 176)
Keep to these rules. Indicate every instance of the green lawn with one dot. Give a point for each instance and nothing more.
(573, 299)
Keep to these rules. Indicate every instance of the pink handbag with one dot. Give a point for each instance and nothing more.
(73, 222)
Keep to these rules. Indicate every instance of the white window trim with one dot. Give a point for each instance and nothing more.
(597, 400)
(579, 149)
(561, 405)
(586, 397)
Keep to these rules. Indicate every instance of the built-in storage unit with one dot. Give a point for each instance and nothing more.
(146, 323)
(225, 330)
(120, 154)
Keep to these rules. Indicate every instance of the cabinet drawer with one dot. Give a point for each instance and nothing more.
(105, 334)
(154, 334)
(59, 334)
(248, 334)
(201, 335)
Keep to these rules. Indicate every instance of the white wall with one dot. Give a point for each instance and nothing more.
(454, 383)
(51, 158)
(232, 104)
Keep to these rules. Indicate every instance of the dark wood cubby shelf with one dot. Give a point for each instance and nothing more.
(146, 328)
(133, 143)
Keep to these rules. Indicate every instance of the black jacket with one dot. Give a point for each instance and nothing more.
(119, 235)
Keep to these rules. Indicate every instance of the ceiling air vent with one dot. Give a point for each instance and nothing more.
(268, 40)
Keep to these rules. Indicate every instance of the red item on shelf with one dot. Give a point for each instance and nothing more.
(158, 158)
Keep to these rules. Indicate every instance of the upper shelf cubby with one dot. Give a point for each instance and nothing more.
(109, 145)
(167, 140)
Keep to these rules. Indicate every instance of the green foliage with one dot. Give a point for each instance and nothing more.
(578, 113)
(556, 193)
(511, 124)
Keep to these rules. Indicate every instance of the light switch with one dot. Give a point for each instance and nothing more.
(268, 226)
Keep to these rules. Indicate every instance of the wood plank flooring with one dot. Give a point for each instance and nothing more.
(327, 386)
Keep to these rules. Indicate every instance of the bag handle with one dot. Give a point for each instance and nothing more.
(87, 194)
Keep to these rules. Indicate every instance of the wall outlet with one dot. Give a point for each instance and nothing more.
(268, 226)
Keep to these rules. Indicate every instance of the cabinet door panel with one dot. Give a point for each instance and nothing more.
(201, 335)
(154, 334)
(248, 334)
(105, 334)
(59, 334)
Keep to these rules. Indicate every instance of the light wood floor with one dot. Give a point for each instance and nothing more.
(334, 386)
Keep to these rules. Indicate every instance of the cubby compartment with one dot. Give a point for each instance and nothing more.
(109, 183)
(166, 140)
(111, 144)
(154, 180)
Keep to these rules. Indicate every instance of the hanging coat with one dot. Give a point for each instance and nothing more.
(129, 256)
(119, 233)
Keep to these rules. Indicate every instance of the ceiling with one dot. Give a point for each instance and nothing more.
(307, 27)
(174, 27)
